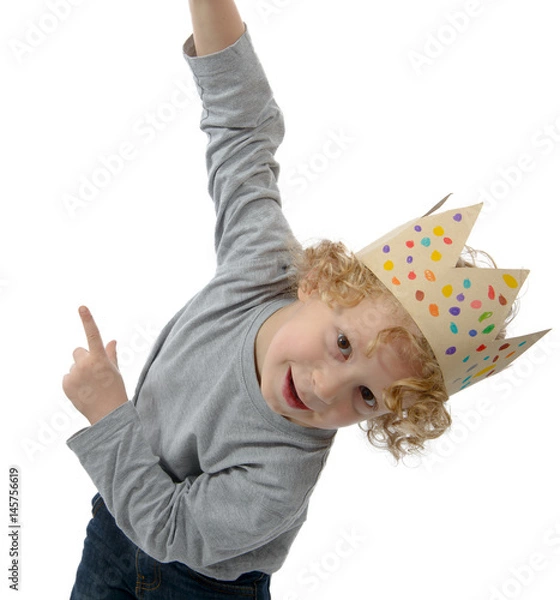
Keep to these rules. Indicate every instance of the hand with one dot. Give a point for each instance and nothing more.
(94, 384)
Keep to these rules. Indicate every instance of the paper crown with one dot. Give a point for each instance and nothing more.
(460, 311)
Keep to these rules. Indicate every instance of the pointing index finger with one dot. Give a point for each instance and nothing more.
(92, 332)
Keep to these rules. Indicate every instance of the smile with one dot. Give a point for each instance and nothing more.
(290, 394)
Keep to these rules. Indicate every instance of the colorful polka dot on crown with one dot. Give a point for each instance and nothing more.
(510, 281)
(448, 241)
(447, 290)
(476, 304)
(409, 259)
(395, 281)
(461, 298)
(438, 231)
(420, 295)
(436, 255)
(502, 300)
(410, 244)
(484, 316)
(458, 217)
(386, 249)
(485, 370)
(434, 310)
(467, 284)
(522, 343)
(466, 359)
(473, 332)
(491, 293)
(488, 329)
(451, 350)
(429, 275)
(426, 242)
(417, 228)
(481, 348)
(389, 265)
(455, 311)
(453, 327)
(504, 347)
(412, 275)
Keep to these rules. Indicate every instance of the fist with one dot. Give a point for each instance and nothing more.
(94, 384)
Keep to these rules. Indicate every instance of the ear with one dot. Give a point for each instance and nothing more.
(305, 291)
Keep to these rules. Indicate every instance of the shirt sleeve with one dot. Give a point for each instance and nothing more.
(214, 517)
(201, 521)
(244, 126)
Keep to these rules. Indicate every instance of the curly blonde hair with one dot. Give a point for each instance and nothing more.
(340, 278)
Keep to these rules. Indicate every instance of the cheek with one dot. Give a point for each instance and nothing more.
(346, 414)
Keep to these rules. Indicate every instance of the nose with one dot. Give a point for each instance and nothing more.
(325, 384)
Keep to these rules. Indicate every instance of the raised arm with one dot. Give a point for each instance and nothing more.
(216, 25)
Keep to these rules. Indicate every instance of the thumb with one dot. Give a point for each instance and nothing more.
(112, 351)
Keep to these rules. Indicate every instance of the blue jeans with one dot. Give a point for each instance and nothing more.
(113, 568)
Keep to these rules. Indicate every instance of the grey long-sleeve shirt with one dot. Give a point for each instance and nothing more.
(197, 468)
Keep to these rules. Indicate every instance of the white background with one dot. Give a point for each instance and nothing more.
(418, 118)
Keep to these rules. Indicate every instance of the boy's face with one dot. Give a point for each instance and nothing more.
(312, 365)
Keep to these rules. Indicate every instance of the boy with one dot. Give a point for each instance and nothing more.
(204, 478)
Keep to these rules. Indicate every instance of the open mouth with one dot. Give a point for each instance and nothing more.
(290, 393)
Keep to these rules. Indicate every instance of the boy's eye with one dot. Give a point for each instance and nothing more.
(368, 396)
(344, 345)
